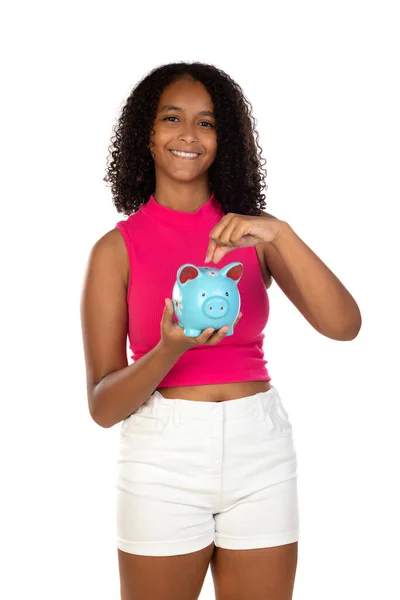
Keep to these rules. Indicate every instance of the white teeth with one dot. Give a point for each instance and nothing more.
(185, 154)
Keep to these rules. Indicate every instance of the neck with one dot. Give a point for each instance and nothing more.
(185, 197)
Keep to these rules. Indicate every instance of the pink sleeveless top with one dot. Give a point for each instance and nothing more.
(159, 240)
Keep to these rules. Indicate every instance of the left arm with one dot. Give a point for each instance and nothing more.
(315, 291)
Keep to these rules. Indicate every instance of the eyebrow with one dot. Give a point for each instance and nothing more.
(208, 113)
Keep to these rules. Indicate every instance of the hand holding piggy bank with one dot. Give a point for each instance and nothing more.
(207, 297)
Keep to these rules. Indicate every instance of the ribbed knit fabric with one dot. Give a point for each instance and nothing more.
(159, 240)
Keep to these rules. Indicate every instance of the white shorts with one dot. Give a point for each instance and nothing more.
(189, 473)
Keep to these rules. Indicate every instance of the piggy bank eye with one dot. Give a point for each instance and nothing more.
(203, 294)
(226, 293)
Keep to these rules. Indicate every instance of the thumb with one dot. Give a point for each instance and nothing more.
(168, 306)
(169, 311)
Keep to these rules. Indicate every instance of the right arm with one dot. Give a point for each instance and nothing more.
(114, 388)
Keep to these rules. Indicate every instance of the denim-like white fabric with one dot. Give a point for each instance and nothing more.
(189, 473)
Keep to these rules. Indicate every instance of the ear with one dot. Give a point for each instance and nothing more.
(187, 272)
(234, 271)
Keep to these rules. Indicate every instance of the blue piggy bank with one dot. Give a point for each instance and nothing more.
(206, 297)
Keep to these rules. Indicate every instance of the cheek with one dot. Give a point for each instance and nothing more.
(212, 147)
(159, 138)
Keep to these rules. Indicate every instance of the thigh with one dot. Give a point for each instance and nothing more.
(165, 496)
(163, 577)
(259, 500)
(260, 574)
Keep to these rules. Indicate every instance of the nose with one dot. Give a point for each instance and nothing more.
(215, 307)
(188, 133)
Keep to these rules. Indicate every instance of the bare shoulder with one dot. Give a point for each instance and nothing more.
(112, 246)
(265, 214)
(113, 239)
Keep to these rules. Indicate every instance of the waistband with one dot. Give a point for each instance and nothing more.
(183, 410)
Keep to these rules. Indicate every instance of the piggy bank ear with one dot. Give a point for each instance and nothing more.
(186, 272)
(234, 271)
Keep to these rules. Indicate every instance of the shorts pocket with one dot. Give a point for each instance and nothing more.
(277, 417)
(139, 424)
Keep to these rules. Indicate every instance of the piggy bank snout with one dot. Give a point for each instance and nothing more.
(215, 307)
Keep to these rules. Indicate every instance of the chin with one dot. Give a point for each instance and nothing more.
(187, 178)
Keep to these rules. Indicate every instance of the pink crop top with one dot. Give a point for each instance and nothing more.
(159, 240)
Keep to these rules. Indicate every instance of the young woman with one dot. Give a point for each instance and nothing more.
(206, 469)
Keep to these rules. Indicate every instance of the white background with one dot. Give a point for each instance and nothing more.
(323, 81)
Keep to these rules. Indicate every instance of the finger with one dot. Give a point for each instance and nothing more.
(207, 333)
(218, 335)
(210, 250)
(220, 252)
(223, 331)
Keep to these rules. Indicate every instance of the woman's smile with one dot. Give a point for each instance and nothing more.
(184, 155)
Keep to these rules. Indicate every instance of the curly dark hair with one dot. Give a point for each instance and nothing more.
(237, 174)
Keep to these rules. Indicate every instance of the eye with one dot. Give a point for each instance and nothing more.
(201, 122)
(203, 294)
(226, 293)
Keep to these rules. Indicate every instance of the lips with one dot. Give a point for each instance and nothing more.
(172, 150)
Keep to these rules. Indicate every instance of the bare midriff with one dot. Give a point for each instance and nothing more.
(215, 392)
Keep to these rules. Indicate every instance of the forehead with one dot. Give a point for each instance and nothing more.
(187, 94)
